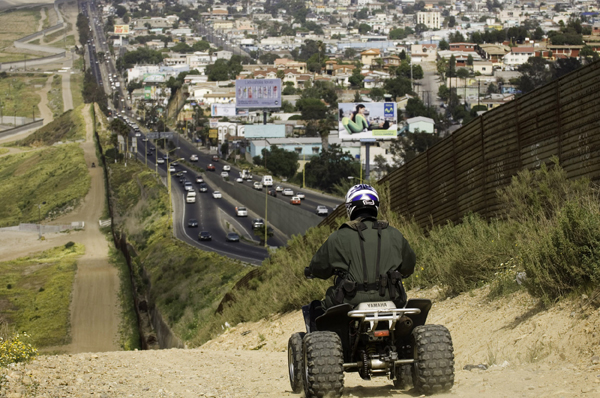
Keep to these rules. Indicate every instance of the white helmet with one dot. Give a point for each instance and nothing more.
(360, 198)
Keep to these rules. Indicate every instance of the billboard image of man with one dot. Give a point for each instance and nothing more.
(371, 120)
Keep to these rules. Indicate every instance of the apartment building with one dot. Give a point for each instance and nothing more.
(432, 19)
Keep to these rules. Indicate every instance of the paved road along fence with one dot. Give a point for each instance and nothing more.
(462, 173)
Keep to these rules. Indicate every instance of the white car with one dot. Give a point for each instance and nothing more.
(239, 179)
(288, 192)
(241, 212)
(224, 174)
(217, 195)
(300, 195)
(145, 139)
(258, 186)
(226, 167)
(278, 188)
(172, 169)
(194, 158)
(322, 210)
(160, 160)
(199, 179)
(188, 186)
(138, 134)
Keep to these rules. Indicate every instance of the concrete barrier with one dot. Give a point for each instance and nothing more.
(33, 61)
(291, 220)
(37, 124)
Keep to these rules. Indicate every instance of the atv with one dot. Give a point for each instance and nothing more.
(375, 339)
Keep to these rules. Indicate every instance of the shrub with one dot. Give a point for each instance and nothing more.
(15, 349)
(561, 254)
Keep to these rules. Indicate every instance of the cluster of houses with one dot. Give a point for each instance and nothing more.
(339, 25)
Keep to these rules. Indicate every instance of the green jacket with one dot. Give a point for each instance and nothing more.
(342, 251)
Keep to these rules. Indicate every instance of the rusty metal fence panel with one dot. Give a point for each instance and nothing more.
(463, 172)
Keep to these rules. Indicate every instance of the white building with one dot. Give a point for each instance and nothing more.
(518, 56)
(432, 19)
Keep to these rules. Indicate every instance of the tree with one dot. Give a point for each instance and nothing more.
(589, 54)
(133, 86)
(349, 53)
(410, 145)
(398, 86)
(534, 74)
(356, 79)
(451, 21)
(381, 165)
(470, 60)
(443, 93)
(364, 28)
(279, 162)
(331, 166)
(311, 108)
(288, 89)
(492, 89)
(376, 94)
(443, 45)
(462, 73)
(120, 11)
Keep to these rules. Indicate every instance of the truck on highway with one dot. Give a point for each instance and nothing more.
(190, 197)
(245, 174)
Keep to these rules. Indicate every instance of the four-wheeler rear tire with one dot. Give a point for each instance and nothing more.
(433, 370)
(296, 361)
(323, 374)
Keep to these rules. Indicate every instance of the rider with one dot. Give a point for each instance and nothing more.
(369, 256)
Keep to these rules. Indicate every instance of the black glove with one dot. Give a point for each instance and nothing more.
(307, 273)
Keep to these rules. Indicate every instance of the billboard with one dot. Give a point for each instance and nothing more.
(360, 120)
(121, 29)
(258, 93)
(229, 110)
(213, 123)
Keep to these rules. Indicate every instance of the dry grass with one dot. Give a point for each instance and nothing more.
(16, 24)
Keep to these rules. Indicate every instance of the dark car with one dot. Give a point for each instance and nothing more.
(182, 179)
(203, 187)
(232, 237)
(204, 235)
(178, 174)
(149, 153)
(192, 223)
(272, 192)
(174, 163)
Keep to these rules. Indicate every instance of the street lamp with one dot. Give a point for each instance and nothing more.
(169, 186)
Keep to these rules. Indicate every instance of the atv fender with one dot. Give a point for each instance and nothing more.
(335, 319)
(424, 305)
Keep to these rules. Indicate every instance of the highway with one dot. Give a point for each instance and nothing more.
(217, 216)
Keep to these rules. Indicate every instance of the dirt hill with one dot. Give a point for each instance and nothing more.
(529, 351)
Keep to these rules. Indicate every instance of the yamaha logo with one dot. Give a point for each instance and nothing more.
(377, 305)
(368, 202)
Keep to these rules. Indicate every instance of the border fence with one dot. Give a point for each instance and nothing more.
(462, 173)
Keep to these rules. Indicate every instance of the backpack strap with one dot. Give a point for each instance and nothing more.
(362, 253)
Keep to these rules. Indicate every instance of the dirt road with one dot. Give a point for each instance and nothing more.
(95, 310)
(95, 306)
(530, 353)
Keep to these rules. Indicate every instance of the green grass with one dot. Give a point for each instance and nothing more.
(19, 94)
(547, 240)
(46, 22)
(69, 42)
(67, 127)
(129, 338)
(76, 87)
(35, 293)
(3, 151)
(187, 283)
(56, 175)
(55, 97)
(49, 38)
(15, 24)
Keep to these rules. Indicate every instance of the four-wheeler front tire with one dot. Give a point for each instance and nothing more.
(296, 361)
(433, 370)
(323, 374)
